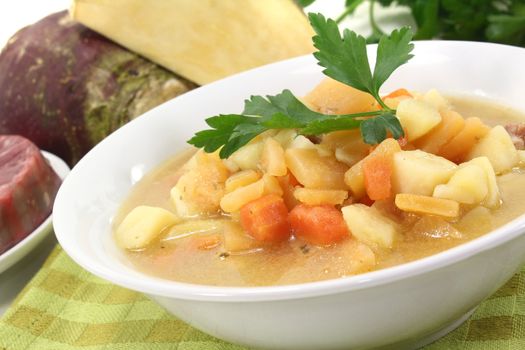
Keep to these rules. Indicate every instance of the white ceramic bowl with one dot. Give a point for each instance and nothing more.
(404, 306)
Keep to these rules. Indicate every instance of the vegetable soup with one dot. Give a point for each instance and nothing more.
(288, 208)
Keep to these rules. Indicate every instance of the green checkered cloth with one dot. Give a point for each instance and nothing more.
(66, 307)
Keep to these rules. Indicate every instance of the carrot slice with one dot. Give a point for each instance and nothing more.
(318, 225)
(398, 93)
(377, 171)
(266, 219)
(451, 125)
(460, 145)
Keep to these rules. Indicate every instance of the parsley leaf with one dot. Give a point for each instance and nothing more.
(345, 58)
(374, 130)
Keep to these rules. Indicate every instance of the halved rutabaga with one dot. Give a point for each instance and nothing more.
(202, 40)
(65, 87)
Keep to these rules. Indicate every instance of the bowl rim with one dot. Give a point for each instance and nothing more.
(171, 289)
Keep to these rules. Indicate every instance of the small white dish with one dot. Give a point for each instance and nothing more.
(22, 248)
(405, 306)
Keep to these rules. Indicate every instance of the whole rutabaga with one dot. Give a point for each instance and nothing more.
(344, 59)
(65, 87)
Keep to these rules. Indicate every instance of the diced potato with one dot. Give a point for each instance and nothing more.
(285, 137)
(369, 226)
(461, 144)
(355, 178)
(493, 198)
(236, 240)
(338, 139)
(233, 201)
(317, 197)
(271, 185)
(241, 179)
(451, 124)
(348, 146)
(393, 102)
(200, 189)
(142, 225)
(358, 256)
(477, 221)
(497, 146)
(435, 99)
(418, 204)
(190, 227)
(272, 158)
(348, 155)
(301, 141)
(315, 171)
(468, 185)
(417, 117)
(333, 97)
(288, 190)
(248, 156)
(419, 172)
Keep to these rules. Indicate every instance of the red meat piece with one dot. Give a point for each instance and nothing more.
(28, 186)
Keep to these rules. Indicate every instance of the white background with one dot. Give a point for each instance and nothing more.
(15, 14)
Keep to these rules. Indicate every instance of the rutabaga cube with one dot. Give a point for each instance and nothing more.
(493, 198)
(419, 172)
(142, 225)
(315, 171)
(248, 156)
(435, 99)
(497, 146)
(468, 185)
(369, 226)
(272, 158)
(417, 117)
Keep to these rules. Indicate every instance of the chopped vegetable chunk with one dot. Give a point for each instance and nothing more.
(142, 225)
(317, 197)
(266, 219)
(415, 203)
(319, 225)
(369, 226)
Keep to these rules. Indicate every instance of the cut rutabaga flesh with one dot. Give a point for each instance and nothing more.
(468, 185)
(202, 40)
(320, 197)
(248, 156)
(417, 117)
(240, 179)
(493, 198)
(498, 147)
(233, 201)
(142, 225)
(333, 97)
(272, 158)
(419, 172)
(369, 226)
(426, 205)
(315, 171)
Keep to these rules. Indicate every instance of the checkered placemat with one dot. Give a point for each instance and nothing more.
(66, 307)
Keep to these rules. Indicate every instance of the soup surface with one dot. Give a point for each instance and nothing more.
(200, 255)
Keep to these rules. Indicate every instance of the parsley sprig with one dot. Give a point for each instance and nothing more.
(345, 59)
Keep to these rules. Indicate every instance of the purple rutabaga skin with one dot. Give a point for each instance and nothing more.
(65, 87)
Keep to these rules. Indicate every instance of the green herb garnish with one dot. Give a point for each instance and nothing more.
(344, 59)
